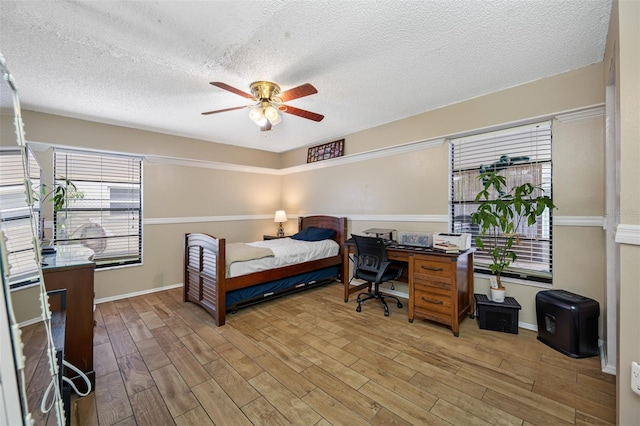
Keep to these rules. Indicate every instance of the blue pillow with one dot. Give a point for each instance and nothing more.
(314, 234)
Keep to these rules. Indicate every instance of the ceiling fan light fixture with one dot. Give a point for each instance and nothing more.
(262, 122)
(268, 109)
(271, 113)
(276, 121)
(256, 114)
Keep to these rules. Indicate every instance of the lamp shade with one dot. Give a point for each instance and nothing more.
(271, 113)
(276, 121)
(281, 216)
(256, 114)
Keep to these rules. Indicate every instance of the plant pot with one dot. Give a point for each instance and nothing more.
(498, 294)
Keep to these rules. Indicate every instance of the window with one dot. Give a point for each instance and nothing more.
(521, 155)
(16, 220)
(105, 212)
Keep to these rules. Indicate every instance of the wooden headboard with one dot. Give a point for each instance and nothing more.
(338, 224)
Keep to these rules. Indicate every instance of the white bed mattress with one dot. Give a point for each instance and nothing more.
(287, 252)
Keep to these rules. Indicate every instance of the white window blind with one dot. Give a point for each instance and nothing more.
(16, 221)
(105, 214)
(521, 155)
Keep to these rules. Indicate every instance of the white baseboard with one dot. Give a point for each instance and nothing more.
(136, 293)
(110, 299)
(30, 321)
(605, 365)
(628, 234)
(527, 326)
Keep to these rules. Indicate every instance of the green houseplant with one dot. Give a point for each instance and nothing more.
(60, 193)
(58, 196)
(500, 215)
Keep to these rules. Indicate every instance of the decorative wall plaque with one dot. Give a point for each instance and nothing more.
(325, 151)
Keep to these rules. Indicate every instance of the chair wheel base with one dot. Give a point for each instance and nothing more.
(363, 297)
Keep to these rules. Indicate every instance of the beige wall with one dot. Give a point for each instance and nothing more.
(578, 167)
(578, 192)
(181, 191)
(623, 51)
(406, 184)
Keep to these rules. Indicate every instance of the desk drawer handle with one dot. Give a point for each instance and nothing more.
(437, 302)
(429, 268)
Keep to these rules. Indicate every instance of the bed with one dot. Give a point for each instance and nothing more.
(210, 280)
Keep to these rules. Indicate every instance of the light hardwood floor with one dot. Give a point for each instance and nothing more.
(310, 359)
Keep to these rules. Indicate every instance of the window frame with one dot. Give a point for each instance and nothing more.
(544, 244)
(88, 230)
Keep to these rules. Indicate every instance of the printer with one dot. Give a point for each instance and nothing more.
(463, 240)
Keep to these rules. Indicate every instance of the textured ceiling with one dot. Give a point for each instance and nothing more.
(148, 65)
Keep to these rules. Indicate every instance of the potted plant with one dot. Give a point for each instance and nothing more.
(500, 215)
(58, 195)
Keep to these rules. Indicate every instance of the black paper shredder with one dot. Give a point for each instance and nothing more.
(568, 322)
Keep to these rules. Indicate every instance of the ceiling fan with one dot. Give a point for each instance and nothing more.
(270, 102)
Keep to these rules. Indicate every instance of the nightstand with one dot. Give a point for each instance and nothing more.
(273, 237)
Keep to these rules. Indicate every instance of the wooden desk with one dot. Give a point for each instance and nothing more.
(440, 284)
(76, 275)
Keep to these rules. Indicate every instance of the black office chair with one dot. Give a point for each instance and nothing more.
(372, 265)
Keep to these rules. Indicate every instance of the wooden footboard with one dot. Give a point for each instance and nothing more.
(205, 282)
(204, 270)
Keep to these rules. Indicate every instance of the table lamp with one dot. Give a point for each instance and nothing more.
(281, 216)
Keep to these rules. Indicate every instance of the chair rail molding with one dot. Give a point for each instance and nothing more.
(202, 219)
(597, 221)
(585, 114)
(338, 161)
(628, 234)
(351, 217)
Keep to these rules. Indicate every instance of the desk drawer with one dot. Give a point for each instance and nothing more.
(400, 256)
(433, 283)
(433, 300)
(433, 268)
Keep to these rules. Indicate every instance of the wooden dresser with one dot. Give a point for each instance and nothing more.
(76, 275)
(441, 287)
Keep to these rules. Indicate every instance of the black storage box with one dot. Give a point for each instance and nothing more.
(497, 316)
(568, 322)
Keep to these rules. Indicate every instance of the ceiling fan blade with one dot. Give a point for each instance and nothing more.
(302, 113)
(231, 89)
(224, 110)
(297, 92)
(266, 127)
